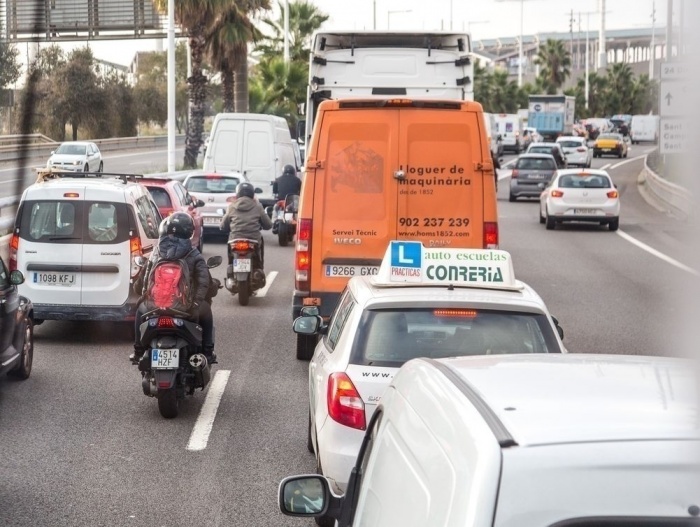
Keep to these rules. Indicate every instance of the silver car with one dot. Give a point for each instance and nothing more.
(531, 173)
(76, 156)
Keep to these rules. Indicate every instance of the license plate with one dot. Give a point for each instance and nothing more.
(165, 358)
(343, 271)
(587, 212)
(537, 176)
(241, 266)
(607, 149)
(212, 220)
(58, 279)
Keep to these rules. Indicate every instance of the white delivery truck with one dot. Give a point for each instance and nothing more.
(644, 128)
(510, 128)
(256, 145)
(415, 64)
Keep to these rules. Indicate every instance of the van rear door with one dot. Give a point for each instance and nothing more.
(354, 205)
(259, 157)
(106, 262)
(440, 199)
(225, 153)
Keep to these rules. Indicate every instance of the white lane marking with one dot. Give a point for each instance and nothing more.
(503, 173)
(627, 161)
(604, 167)
(268, 282)
(202, 428)
(656, 253)
(509, 163)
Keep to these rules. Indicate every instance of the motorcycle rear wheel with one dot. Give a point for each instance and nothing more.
(282, 235)
(168, 403)
(244, 292)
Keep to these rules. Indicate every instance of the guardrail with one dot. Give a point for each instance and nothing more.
(677, 200)
(33, 150)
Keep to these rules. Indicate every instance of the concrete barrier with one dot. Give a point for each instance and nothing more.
(675, 199)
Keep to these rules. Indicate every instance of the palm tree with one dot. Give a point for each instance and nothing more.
(504, 93)
(304, 19)
(619, 88)
(555, 63)
(483, 82)
(277, 88)
(227, 47)
(193, 16)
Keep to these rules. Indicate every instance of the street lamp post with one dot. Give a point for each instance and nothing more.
(394, 12)
(520, 41)
(286, 31)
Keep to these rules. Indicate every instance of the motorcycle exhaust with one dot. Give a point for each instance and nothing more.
(201, 370)
(148, 384)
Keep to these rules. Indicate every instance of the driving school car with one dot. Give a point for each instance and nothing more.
(432, 303)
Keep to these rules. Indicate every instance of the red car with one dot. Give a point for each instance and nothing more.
(170, 196)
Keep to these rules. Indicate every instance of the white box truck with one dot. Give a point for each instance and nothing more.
(414, 64)
(644, 128)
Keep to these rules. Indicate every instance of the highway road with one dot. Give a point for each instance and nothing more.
(82, 445)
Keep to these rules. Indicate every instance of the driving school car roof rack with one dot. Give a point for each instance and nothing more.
(410, 264)
(44, 174)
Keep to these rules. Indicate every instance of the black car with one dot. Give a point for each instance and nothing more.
(16, 326)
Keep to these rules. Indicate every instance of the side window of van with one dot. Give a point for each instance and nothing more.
(149, 219)
(338, 319)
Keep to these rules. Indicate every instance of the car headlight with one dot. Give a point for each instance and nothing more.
(76, 162)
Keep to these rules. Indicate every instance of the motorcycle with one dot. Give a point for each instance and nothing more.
(285, 221)
(173, 365)
(244, 276)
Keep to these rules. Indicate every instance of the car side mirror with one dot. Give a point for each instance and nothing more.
(309, 496)
(53, 152)
(307, 325)
(16, 277)
(560, 330)
(258, 190)
(214, 261)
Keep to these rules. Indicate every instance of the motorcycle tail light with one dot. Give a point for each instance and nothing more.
(240, 246)
(344, 402)
(166, 322)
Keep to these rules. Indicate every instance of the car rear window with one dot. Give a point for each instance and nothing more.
(530, 163)
(393, 336)
(62, 221)
(540, 150)
(610, 136)
(590, 181)
(160, 196)
(213, 184)
(571, 144)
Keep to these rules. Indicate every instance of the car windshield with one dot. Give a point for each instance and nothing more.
(535, 163)
(73, 150)
(213, 184)
(590, 181)
(393, 336)
(160, 196)
(571, 144)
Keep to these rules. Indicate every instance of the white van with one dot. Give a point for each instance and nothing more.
(75, 239)
(644, 128)
(510, 127)
(494, 138)
(523, 441)
(256, 145)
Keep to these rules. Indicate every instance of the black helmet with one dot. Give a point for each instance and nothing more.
(245, 189)
(162, 227)
(179, 224)
(289, 170)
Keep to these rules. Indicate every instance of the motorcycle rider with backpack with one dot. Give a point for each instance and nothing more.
(244, 218)
(174, 245)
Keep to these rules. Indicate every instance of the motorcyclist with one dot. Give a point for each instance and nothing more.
(174, 244)
(244, 218)
(288, 183)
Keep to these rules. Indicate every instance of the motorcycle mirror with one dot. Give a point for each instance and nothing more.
(140, 261)
(268, 211)
(214, 261)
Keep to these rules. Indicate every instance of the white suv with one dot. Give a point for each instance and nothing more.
(75, 239)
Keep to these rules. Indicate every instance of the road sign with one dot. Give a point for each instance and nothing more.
(673, 135)
(675, 70)
(673, 97)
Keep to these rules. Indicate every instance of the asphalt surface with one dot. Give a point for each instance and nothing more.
(82, 445)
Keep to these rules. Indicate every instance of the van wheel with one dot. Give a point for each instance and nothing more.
(24, 369)
(305, 346)
(244, 293)
(282, 235)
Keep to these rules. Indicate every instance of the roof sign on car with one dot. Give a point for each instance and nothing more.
(410, 263)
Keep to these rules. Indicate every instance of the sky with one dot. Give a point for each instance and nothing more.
(483, 18)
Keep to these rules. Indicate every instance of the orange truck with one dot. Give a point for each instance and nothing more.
(388, 169)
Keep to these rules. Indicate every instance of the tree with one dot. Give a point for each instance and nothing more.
(555, 63)
(10, 67)
(277, 88)
(618, 89)
(304, 19)
(194, 16)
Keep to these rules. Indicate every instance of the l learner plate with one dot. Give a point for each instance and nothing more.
(241, 265)
(165, 358)
(58, 279)
(348, 271)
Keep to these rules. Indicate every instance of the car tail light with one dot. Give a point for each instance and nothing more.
(613, 194)
(581, 149)
(136, 250)
(458, 313)
(557, 194)
(14, 246)
(490, 235)
(344, 402)
(212, 176)
(241, 246)
(303, 256)
(514, 173)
